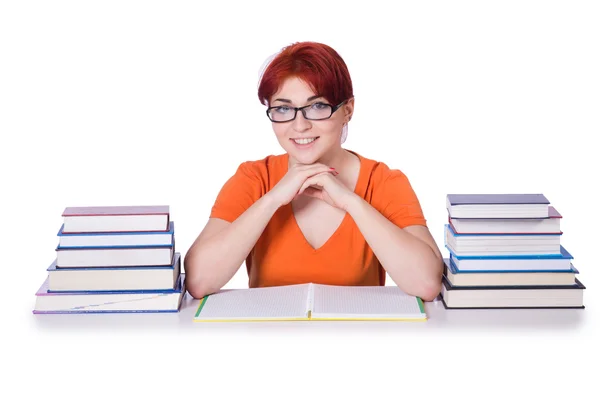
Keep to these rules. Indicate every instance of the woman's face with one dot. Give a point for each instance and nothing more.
(308, 140)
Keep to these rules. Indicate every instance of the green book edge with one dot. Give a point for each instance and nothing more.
(201, 305)
(421, 306)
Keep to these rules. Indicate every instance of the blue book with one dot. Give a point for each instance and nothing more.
(116, 239)
(145, 301)
(513, 262)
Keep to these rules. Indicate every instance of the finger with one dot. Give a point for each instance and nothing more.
(302, 188)
(308, 182)
(317, 180)
(316, 171)
(312, 192)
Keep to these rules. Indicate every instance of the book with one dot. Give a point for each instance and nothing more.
(513, 262)
(507, 277)
(134, 278)
(550, 224)
(304, 302)
(505, 297)
(114, 256)
(497, 205)
(115, 219)
(116, 239)
(505, 244)
(147, 301)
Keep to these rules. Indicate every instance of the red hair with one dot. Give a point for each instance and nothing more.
(319, 65)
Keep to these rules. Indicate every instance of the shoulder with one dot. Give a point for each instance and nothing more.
(380, 173)
(262, 168)
(391, 193)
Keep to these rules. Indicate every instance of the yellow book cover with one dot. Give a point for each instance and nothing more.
(306, 302)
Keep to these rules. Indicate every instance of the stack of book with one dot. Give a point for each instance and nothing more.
(505, 251)
(114, 259)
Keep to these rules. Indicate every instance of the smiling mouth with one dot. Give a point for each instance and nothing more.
(304, 141)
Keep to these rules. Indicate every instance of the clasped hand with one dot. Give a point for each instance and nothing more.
(313, 180)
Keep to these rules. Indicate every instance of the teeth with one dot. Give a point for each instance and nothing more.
(304, 141)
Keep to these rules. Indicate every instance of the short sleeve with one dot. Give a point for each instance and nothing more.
(398, 201)
(240, 191)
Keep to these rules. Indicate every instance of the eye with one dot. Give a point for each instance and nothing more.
(319, 106)
(282, 109)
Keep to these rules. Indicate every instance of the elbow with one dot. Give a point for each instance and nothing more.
(430, 287)
(199, 290)
(430, 290)
(196, 284)
(427, 289)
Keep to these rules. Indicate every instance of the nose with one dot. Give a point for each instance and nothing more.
(300, 123)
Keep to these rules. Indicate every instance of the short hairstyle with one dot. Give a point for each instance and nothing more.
(319, 65)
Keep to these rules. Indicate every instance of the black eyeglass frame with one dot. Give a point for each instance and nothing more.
(333, 110)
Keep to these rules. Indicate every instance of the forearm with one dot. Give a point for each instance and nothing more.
(411, 263)
(210, 263)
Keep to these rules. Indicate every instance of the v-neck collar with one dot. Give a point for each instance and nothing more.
(359, 190)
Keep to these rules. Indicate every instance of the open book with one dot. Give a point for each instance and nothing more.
(311, 302)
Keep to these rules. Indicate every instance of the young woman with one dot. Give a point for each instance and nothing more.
(318, 213)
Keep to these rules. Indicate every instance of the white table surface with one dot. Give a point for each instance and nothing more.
(439, 318)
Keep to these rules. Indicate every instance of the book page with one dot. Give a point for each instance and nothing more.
(385, 302)
(252, 304)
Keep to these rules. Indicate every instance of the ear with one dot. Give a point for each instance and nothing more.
(348, 109)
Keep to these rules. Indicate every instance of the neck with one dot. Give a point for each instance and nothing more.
(337, 158)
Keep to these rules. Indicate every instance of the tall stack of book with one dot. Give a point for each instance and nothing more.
(114, 259)
(505, 251)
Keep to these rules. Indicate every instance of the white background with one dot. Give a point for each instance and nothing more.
(147, 102)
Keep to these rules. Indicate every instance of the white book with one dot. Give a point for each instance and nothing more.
(134, 278)
(505, 244)
(497, 205)
(116, 219)
(303, 302)
(550, 224)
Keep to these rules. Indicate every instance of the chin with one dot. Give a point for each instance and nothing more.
(304, 158)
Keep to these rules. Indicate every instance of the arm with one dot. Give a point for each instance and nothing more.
(410, 255)
(221, 248)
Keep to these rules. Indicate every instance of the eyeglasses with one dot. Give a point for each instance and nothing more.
(314, 111)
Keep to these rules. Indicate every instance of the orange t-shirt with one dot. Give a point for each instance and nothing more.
(282, 256)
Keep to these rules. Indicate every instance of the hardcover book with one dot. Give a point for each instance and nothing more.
(504, 297)
(109, 301)
(507, 277)
(114, 256)
(550, 224)
(115, 219)
(502, 244)
(497, 205)
(502, 262)
(116, 239)
(135, 278)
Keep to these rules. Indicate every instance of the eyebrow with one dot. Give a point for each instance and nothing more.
(307, 100)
